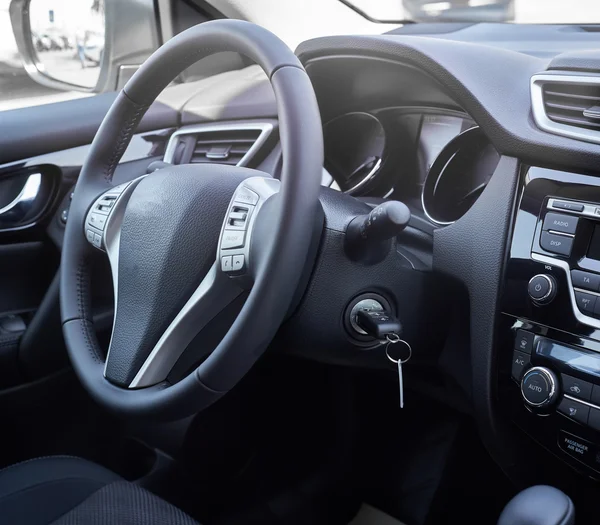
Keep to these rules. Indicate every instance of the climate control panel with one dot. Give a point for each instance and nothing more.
(557, 387)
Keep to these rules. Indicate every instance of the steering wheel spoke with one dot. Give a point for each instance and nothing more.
(215, 293)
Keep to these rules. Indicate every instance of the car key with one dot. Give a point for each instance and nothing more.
(378, 324)
(399, 352)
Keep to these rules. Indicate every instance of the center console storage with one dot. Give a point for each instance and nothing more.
(549, 331)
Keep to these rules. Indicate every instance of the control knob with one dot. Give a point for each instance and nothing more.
(542, 288)
(539, 387)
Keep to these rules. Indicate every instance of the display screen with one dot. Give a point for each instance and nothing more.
(594, 249)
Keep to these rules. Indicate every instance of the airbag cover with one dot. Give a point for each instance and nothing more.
(168, 243)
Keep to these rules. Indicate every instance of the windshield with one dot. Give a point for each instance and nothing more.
(515, 11)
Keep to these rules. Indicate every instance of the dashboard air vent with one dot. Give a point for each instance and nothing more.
(573, 104)
(223, 147)
(230, 144)
(567, 104)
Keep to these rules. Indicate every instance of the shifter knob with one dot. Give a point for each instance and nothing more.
(367, 235)
(542, 505)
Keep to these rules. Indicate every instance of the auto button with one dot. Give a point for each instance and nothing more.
(539, 387)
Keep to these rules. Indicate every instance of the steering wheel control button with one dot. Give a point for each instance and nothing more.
(238, 263)
(105, 204)
(227, 263)
(586, 280)
(560, 222)
(520, 363)
(539, 387)
(97, 240)
(97, 220)
(576, 387)
(567, 205)
(586, 302)
(524, 341)
(89, 235)
(232, 239)
(574, 410)
(238, 217)
(246, 196)
(542, 288)
(555, 243)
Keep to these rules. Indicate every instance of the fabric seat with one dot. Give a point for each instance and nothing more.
(65, 490)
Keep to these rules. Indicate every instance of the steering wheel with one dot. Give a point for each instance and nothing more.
(185, 242)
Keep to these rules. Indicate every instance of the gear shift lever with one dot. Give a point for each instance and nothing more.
(539, 505)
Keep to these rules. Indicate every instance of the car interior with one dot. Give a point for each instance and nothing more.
(352, 281)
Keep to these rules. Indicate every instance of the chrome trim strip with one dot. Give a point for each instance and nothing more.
(265, 129)
(368, 177)
(111, 236)
(539, 112)
(582, 401)
(561, 234)
(26, 196)
(591, 292)
(551, 261)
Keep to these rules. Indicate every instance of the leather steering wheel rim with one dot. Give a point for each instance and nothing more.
(285, 255)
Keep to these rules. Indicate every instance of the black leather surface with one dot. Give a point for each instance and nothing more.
(202, 40)
(539, 505)
(491, 84)
(168, 243)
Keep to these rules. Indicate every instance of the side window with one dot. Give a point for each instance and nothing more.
(60, 43)
(56, 50)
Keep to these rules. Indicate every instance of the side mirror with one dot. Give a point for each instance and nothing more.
(61, 43)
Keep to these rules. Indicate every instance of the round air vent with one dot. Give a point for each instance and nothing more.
(458, 176)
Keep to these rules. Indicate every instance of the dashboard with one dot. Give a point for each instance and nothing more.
(500, 167)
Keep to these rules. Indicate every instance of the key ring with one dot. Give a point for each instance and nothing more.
(393, 339)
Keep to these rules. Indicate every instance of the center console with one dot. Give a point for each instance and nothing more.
(549, 331)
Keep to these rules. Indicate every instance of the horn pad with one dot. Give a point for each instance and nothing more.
(168, 243)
